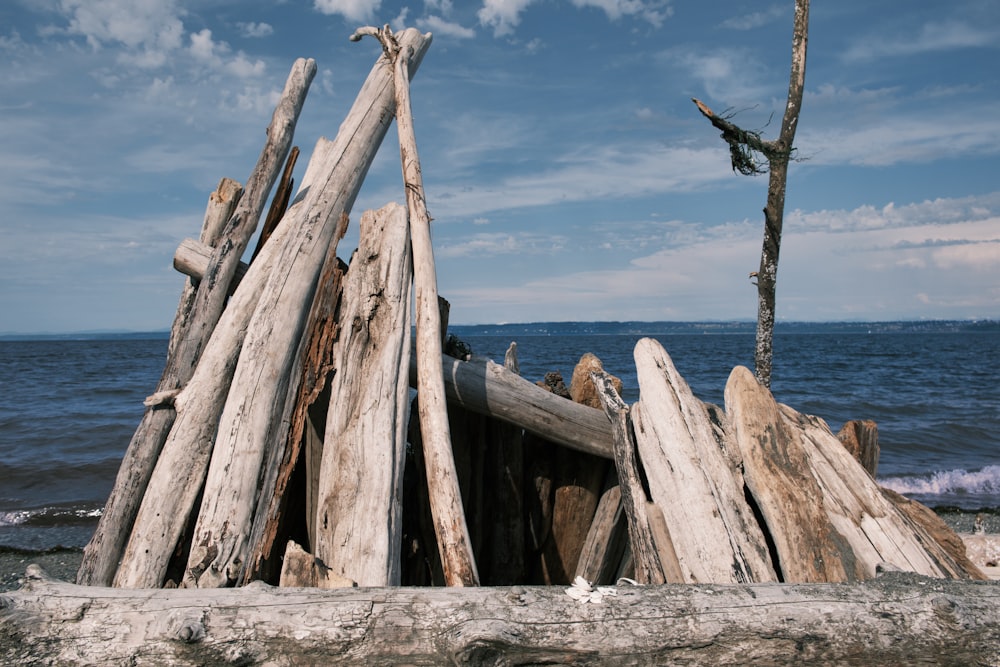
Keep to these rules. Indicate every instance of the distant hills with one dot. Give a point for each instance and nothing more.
(611, 328)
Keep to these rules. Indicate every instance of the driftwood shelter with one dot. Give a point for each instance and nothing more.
(284, 500)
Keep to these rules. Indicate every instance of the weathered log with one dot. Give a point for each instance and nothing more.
(279, 203)
(578, 481)
(776, 470)
(897, 619)
(874, 527)
(192, 258)
(208, 303)
(300, 569)
(692, 478)
(450, 526)
(346, 161)
(303, 448)
(655, 561)
(486, 387)
(605, 546)
(359, 510)
(213, 293)
(104, 550)
(502, 559)
(179, 471)
(255, 417)
(961, 556)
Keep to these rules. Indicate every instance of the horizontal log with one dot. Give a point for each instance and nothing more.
(895, 619)
(192, 257)
(482, 386)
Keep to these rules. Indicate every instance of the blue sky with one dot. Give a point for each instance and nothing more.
(569, 175)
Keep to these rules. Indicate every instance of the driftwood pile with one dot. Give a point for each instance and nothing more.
(283, 445)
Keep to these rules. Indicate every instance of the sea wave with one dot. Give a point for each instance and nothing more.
(983, 482)
(49, 516)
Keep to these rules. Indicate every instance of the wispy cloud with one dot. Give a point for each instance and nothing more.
(932, 37)
(440, 26)
(895, 259)
(255, 30)
(756, 19)
(502, 15)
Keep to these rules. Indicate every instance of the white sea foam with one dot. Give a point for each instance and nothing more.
(948, 482)
(13, 518)
(51, 514)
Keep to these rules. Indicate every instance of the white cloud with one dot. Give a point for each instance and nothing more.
(443, 6)
(217, 55)
(653, 11)
(353, 10)
(755, 19)
(732, 75)
(502, 15)
(439, 26)
(252, 30)
(150, 29)
(491, 245)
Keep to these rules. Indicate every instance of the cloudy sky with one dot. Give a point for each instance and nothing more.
(569, 174)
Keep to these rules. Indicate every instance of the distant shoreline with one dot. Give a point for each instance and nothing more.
(620, 327)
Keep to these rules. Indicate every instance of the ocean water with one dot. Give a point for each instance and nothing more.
(69, 407)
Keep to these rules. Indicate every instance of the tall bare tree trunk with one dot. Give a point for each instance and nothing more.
(767, 275)
(742, 145)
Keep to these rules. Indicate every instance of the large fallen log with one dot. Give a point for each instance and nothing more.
(896, 619)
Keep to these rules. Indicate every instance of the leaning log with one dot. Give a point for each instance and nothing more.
(693, 477)
(104, 550)
(255, 418)
(776, 470)
(897, 619)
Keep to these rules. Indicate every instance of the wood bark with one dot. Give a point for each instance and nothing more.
(692, 478)
(359, 514)
(255, 417)
(898, 619)
(104, 550)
